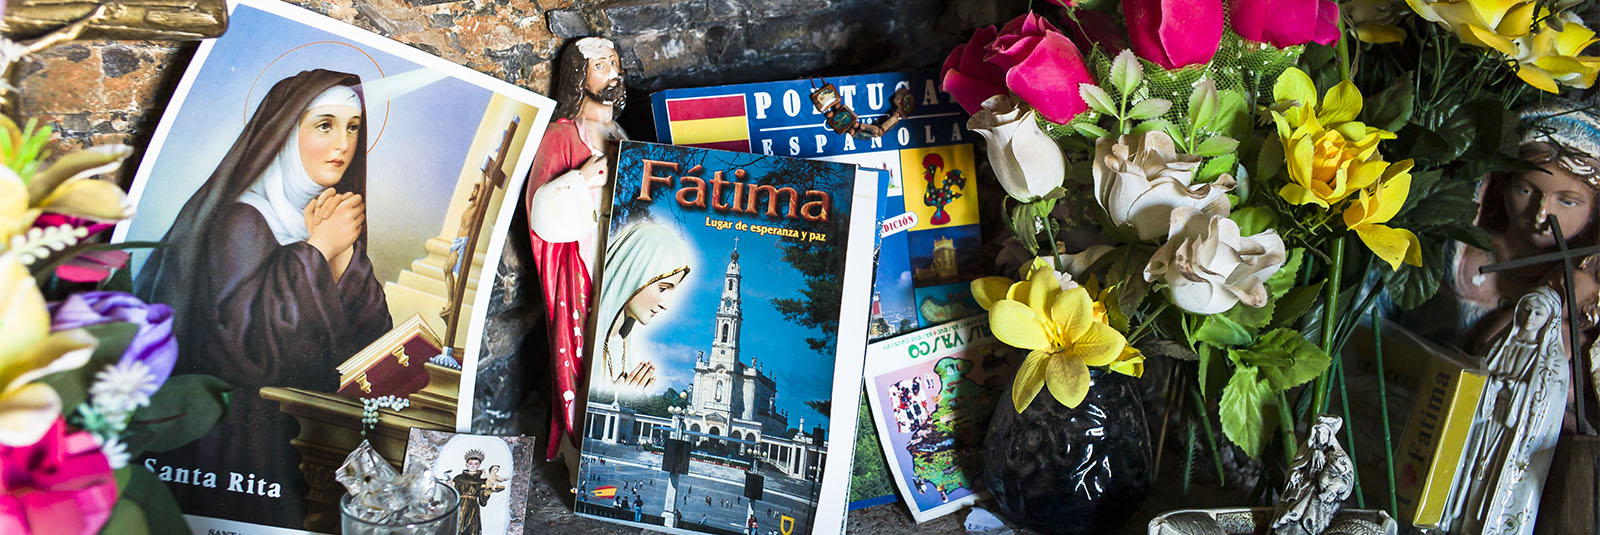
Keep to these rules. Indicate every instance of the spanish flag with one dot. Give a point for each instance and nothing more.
(607, 491)
(715, 122)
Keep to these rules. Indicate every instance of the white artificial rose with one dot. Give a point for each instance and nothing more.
(1210, 267)
(1140, 179)
(1028, 163)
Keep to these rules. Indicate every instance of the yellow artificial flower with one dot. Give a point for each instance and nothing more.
(65, 187)
(28, 352)
(1374, 20)
(1490, 24)
(1328, 152)
(15, 213)
(1548, 58)
(1379, 204)
(1062, 327)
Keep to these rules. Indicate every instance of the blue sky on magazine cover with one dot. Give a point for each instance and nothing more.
(801, 373)
(425, 133)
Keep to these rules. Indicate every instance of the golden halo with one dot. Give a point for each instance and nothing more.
(373, 143)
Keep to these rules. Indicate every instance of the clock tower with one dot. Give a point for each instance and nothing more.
(725, 338)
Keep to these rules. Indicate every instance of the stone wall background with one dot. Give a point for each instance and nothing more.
(104, 92)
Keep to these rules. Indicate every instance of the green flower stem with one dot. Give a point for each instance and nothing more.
(1205, 421)
(1383, 404)
(1330, 310)
(1350, 438)
(1041, 211)
(1342, 48)
(1149, 321)
(1286, 423)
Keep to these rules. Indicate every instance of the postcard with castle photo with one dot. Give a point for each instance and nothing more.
(492, 474)
(326, 198)
(730, 328)
(931, 394)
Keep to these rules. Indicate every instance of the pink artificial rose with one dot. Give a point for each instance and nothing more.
(1174, 33)
(1028, 57)
(968, 76)
(1284, 23)
(61, 485)
(1042, 67)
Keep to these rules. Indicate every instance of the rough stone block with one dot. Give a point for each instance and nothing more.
(65, 79)
(663, 51)
(567, 23)
(641, 17)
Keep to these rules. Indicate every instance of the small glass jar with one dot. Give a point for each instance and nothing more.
(444, 524)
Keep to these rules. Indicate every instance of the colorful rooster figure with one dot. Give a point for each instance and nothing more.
(938, 196)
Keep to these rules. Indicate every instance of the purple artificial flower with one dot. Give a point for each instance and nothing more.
(153, 345)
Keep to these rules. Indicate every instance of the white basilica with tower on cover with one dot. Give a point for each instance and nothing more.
(731, 398)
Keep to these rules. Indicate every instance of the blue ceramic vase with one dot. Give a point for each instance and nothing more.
(1083, 470)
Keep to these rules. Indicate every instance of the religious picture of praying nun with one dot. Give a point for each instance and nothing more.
(267, 262)
(325, 201)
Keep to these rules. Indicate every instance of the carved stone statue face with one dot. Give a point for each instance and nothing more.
(1531, 318)
(1531, 199)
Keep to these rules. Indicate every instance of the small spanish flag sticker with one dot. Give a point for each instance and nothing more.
(607, 491)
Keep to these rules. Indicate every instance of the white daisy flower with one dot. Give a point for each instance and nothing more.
(122, 388)
(115, 451)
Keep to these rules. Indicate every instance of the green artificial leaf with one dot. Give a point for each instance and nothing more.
(1152, 126)
(1254, 220)
(1243, 409)
(1203, 104)
(185, 408)
(1251, 317)
(1286, 359)
(1126, 73)
(73, 385)
(1217, 146)
(1149, 108)
(1280, 283)
(1023, 227)
(1233, 114)
(120, 280)
(1097, 99)
(1425, 146)
(1215, 167)
(161, 512)
(126, 519)
(1089, 130)
(1270, 162)
(1471, 235)
(1222, 332)
(1391, 108)
(1294, 304)
(1321, 63)
(1493, 128)
(1411, 286)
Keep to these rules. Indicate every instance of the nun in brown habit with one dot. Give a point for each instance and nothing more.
(266, 267)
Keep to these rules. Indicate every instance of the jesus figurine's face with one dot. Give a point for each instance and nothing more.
(328, 138)
(603, 78)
